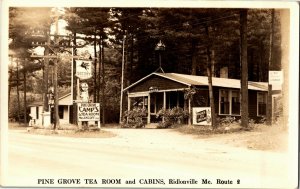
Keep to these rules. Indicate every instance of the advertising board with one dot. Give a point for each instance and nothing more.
(83, 69)
(201, 116)
(88, 111)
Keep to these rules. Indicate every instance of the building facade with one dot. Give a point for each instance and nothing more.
(167, 90)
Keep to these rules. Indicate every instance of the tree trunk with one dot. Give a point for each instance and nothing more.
(25, 91)
(194, 61)
(99, 68)
(45, 79)
(213, 62)
(131, 59)
(244, 68)
(56, 116)
(260, 68)
(209, 76)
(18, 94)
(74, 121)
(103, 85)
(95, 68)
(9, 85)
(269, 100)
(127, 74)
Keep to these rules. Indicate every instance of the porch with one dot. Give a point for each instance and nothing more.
(154, 101)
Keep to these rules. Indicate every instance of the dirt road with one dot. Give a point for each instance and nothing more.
(138, 154)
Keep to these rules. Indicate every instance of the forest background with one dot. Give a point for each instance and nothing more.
(182, 30)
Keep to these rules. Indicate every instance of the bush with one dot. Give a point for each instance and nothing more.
(13, 108)
(134, 118)
(172, 116)
(226, 121)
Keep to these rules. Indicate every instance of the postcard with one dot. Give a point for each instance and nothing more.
(149, 94)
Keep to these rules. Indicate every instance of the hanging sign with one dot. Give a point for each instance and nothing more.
(275, 77)
(88, 111)
(201, 116)
(83, 69)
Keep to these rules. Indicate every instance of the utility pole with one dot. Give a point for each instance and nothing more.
(60, 43)
(122, 81)
(269, 99)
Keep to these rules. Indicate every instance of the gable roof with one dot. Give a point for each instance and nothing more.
(41, 103)
(194, 80)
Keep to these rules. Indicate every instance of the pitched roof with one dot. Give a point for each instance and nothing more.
(194, 80)
(41, 103)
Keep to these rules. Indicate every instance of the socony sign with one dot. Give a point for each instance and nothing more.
(83, 69)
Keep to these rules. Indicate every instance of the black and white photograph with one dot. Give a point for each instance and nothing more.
(162, 94)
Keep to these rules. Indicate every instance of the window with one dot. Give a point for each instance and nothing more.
(61, 112)
(229, 102)
(37, 112)
(140, 102)
(261, 104)
(235, 101)
(224, 102)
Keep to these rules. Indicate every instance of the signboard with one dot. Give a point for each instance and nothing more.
(83, 69)
(84, 92)
(275, 77)
(201, 116)
(88, 112)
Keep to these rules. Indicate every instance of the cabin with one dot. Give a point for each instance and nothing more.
(167, 90)
(64, 110)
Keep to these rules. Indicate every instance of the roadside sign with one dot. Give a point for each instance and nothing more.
(88, 111)
(275, 77)
(201, 116)
(83, 69)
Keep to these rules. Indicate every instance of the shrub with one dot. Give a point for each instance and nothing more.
(134, 118)
(172, 116)
(13, 108)
(227, 120)
(262, 120)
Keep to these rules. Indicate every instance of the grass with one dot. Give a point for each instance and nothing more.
(64, 130)
(74, 133)
(16, 125)
(206, 130)
(257, 136)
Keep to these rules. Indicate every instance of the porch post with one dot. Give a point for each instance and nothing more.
(129, 103)
(128, 107)
(164, 104)
(148, 117)
(69, 113)
(177, 104)
(190, 117)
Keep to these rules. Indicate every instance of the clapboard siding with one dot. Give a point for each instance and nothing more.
(155, 81)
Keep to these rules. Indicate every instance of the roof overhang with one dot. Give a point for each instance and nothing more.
(192, 80)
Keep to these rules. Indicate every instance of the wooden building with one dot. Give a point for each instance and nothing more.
(65, 106)
(167, 90)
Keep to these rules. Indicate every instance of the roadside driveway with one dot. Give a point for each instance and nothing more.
(140, 153)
